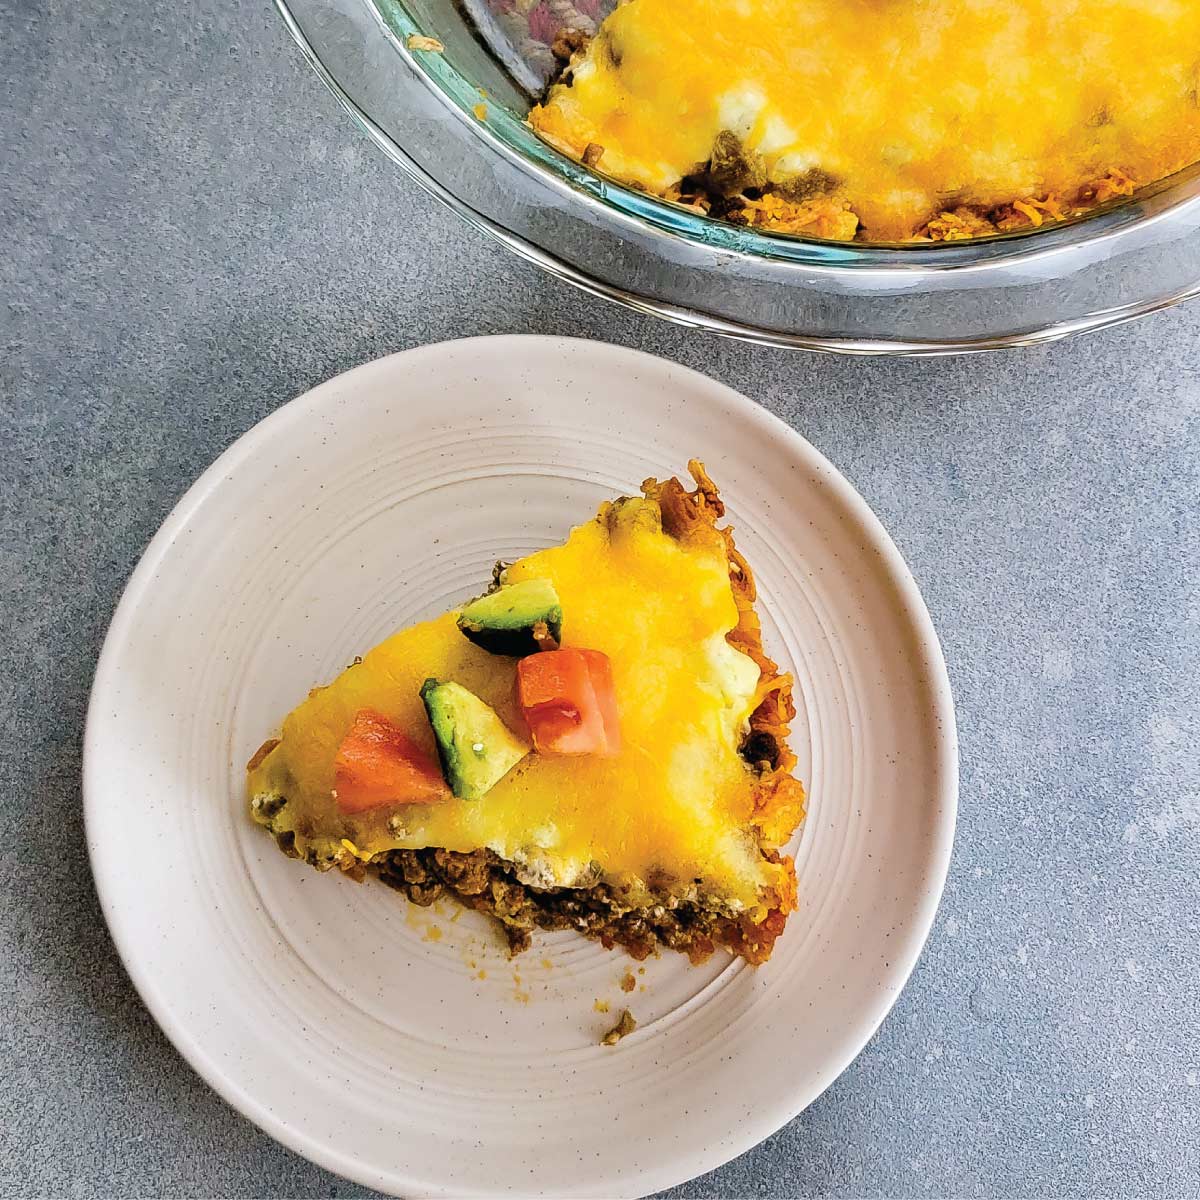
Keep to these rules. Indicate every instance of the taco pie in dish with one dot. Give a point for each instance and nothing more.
(883, 120)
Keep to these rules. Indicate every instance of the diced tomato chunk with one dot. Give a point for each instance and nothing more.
(378, 764)
(568, 701)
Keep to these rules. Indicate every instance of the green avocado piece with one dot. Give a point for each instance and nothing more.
(476, 748)
(503, 621)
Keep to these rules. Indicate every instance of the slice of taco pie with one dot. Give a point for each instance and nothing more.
(597, 743)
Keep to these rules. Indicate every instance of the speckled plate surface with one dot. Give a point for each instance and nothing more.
(399, 1046)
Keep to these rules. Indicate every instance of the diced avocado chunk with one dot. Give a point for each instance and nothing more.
(476, 748)
(516, 619)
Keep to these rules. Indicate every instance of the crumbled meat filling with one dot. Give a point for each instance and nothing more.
(567, 44)
(623, 1028)
(483, 881)
(732, 170)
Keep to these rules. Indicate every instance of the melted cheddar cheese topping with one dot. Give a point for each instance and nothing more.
(675, 803)
(900, 109)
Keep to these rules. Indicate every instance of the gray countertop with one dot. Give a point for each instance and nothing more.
(193, 234)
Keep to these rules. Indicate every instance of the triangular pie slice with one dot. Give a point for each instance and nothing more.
(599, 744)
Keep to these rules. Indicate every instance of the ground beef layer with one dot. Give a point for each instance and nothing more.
(484, 882)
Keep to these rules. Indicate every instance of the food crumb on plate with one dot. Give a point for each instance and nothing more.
(623, 1028)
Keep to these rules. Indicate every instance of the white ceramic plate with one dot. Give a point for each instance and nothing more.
(399, 1046)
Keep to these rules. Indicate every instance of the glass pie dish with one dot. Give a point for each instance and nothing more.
(451, 113)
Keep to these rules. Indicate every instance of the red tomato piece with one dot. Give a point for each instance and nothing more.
(568, 701)
(378, 764)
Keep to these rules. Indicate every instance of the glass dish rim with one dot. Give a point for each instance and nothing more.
(893, 260)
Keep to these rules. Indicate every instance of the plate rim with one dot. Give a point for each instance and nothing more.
(744, 1136)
